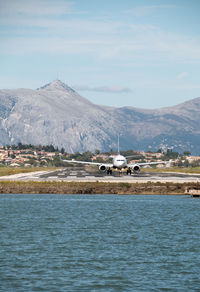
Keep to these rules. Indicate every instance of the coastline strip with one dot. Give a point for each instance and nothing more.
(122, 188)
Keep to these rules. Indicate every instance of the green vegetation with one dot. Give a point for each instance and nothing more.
(39, 156)
(32, 187)
(20, 146)
(6, 170)
(86, 156)
(170, 154)
(173, 169)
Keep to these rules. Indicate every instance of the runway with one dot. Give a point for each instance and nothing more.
(81, 175)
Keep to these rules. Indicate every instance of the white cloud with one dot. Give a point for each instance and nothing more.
(110, 89)
(36, 8)
(141, 11)
(103, 39)
(182, 75)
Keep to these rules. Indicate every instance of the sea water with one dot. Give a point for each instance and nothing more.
(99, 243)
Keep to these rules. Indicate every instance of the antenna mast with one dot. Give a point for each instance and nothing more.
(118, 144)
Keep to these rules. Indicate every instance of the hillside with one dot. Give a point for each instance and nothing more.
(56, 114)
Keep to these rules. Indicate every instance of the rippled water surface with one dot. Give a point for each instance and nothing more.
(99, 243)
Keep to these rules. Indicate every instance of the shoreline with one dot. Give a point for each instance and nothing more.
(118, 188)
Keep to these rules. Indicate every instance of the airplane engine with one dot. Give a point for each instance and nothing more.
(136, 168)
(102, 168)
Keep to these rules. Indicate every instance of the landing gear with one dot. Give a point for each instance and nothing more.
(109, 171)
(128, 171)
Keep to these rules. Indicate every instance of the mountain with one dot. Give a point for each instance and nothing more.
(56, 114)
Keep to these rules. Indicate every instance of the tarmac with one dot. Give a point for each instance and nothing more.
(67, 175)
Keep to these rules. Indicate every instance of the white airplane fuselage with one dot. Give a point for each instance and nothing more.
(119, 162)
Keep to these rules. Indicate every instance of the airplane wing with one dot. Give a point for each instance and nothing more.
(146, 163)
(89, 162)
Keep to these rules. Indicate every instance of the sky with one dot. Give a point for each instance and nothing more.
(140, 53)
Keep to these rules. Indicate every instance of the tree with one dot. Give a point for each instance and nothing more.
(159, 151)
(179, 163)
(62, 150)
(170, 154)
(186, 163)
(187, 153)
(111, 151)
(20, 146)
(97, 152)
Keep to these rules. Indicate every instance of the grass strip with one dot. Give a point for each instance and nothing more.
(10, 170)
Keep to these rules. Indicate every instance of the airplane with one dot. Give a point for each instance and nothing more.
(119, 162)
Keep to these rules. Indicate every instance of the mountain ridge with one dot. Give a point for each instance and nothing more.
(56, 114)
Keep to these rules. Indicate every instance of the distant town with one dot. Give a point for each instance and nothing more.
(27, 155)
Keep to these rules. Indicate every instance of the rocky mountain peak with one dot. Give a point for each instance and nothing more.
(56, 85)
(56, 114)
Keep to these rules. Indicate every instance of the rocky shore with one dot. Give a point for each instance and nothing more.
(34, 187)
